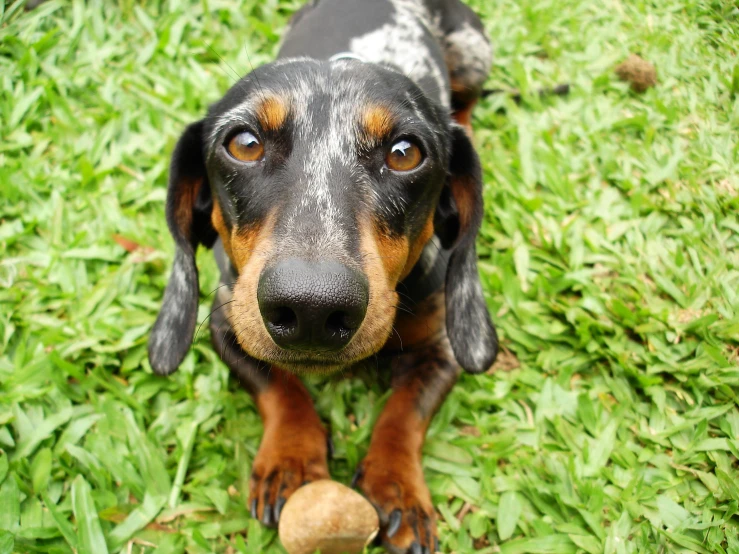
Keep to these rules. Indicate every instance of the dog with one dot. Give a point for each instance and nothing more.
(341, 193)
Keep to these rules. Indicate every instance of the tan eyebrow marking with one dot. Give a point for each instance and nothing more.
(272, 113)
(378, 122)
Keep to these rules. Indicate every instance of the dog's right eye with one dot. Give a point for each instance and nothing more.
(245, 147)
(404, 156)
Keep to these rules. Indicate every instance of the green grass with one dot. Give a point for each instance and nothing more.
(610, 253)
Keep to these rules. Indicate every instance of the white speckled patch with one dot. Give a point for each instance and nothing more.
(469, 54)
(400, 43)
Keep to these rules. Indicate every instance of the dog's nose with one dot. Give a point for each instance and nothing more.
(312, 306)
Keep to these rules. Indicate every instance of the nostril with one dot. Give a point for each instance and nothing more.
(283, 318)
(340, 323)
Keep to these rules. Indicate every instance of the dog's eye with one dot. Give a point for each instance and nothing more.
(404, 156)
(245, 147)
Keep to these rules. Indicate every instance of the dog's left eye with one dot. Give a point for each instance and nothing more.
(245, 147)
(404, 156)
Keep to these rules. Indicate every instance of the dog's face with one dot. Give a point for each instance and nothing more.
(325, 186)
(324, 181)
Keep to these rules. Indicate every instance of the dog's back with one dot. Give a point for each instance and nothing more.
(424, 39)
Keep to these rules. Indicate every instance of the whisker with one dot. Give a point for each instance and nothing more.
(399, 338)
(209, 316)
(410, 299)
(234, 342)
(220, 287)
(256, 78)
(224, 62)
(405, 310)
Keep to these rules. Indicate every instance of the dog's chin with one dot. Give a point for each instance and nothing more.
(306, 365)
(311, 367)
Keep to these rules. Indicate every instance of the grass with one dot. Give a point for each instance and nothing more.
(610, 253)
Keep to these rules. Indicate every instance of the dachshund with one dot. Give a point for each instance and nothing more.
(340, 191)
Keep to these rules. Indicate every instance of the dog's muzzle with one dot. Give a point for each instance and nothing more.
(312, 306)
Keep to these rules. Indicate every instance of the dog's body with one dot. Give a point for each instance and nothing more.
(342, 202)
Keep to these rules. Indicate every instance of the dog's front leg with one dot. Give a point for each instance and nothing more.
(294, 446)
(293, 450)
(391, 475)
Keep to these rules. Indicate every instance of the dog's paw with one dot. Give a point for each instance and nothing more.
(278, 472)
(403, 502)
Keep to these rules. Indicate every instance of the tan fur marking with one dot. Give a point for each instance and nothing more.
(245, 242)
(458, 87)
(464, 118)
(293, 447)
(416, 248)
(393, 463)
(399, 255)
(464, 99)
(239, 244)
(216, 218)
(393, 254)
(464, 196)
(396, 257)
(272, 113)
(243, 313)
(378, 321)
(377, 121)
(462, 93)
(185, 202)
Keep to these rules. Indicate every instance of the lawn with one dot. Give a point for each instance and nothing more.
(609, 253)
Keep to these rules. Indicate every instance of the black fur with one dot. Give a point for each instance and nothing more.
(173, 330)
(469, 327)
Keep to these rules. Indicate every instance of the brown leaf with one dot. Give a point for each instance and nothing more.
(127, 244)
(506, 361)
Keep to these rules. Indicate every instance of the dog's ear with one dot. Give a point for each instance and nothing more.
(189, 207)
(469, 327)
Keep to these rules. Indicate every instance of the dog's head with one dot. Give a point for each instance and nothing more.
(324, 181)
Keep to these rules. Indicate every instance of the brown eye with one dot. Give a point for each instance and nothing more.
(245, 147)
(404, 156)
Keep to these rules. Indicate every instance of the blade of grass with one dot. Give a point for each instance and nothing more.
(182, 465)
(136, 520)
(10, 504)
(62, 523)
(89, 532)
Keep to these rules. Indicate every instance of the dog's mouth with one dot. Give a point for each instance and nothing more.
(312, 361)
(307, 366)
(306, 363)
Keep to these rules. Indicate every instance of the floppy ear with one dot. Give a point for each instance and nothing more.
(469, 327)
(189, 206)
